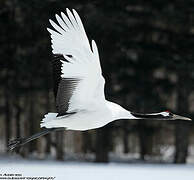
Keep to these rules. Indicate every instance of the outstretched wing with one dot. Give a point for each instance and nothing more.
(80, 81)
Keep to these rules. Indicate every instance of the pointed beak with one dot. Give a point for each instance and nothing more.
(181, 117)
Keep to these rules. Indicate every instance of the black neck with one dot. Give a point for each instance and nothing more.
(150, 116)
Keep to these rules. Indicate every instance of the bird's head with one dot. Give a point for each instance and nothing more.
(172, 116)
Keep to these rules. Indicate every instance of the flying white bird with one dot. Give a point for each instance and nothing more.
(79, 84)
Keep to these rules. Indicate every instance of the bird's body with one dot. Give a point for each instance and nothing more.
(82, 120)
(97, 115)
(79, 84)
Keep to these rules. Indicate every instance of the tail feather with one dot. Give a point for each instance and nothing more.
(49, 116)
(51, 120)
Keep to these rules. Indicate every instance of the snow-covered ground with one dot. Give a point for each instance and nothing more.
(48, 169)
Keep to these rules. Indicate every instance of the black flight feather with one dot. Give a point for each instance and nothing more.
(63, 87)
(65, 91)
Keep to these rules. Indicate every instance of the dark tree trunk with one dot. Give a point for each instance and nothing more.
(18, 115)
(181, 142)
(17, 118)
(48, 143)
(125, 142)
(31, 121)
(145, 139)
(59, 146)
(125, 138)
(87, 142)
(25, 127)
(48, 136)
(182, 127)
(102, 144)
(142, 140)
(8, 109)
(8, 114)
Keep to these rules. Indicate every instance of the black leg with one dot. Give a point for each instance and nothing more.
(21, 141)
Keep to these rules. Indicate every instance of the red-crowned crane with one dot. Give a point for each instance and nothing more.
(79, 84)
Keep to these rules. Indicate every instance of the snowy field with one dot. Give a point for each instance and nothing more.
(47, 169)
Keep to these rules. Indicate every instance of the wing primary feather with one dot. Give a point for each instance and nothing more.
(74, 11)
(80, 24)
(52, 32)
(66, 20)
(61, 22)
(72, 19)
(56, 27)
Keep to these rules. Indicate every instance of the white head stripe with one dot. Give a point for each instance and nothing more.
(165, 113)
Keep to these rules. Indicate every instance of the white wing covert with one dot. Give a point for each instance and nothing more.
(81, 76)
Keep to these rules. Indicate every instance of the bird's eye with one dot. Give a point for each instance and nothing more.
(170, 114)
